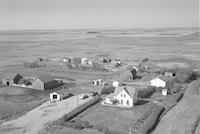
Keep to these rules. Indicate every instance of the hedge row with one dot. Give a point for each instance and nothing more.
(171, 102)
(146, 93)
(151, 121)
(79, 109)
(195, 125)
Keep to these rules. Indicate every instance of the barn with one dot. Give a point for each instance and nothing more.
(45, 82)
(11, 78)
(128, 74)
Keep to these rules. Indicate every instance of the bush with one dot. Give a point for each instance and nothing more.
(107, 90)
(98, 66)
(78, 124)
(33, 64)
(195, 125)
(105, 130)
(152, 120)
(145, 93)
(78, 110)
(186, 75)
(145, 60)
(159, 89)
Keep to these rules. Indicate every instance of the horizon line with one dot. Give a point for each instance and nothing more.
(197, 27)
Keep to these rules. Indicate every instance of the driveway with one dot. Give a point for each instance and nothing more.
(34, 120)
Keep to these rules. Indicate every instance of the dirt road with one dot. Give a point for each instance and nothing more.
(34, 120)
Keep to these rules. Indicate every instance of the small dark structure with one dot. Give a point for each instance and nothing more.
(11, 78)
(45, 82)
(107, 60)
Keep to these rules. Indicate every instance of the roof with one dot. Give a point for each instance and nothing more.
(164, 78)
(46, 78)
(10, 75)
(128, 89)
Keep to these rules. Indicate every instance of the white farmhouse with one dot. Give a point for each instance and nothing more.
(124, 96)
(160, 81)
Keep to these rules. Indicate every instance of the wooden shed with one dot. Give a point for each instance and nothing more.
(45, 82)
(11, 78)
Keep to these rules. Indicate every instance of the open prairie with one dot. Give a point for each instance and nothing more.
(132, 44)
(165, 47)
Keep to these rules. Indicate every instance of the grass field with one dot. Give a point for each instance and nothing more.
(167, 48)
(116, 119)
(15, 101)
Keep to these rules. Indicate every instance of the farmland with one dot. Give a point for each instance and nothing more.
(162, 50)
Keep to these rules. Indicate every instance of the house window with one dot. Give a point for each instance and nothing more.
(124, 95)
(127, 102)
(121, 95)
(121, 101)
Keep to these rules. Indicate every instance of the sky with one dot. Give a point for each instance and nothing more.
(83, 14)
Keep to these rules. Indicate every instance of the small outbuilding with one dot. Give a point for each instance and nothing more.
(128, 74)
(160, 81)
(11, 78)
(164, 92)
(169, 74)
(97, 82)
(84, 61)
(55, 96)
(115, 83)
(45, 82)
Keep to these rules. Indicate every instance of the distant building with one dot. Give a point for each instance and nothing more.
(117, 63)
(45, 82)
(115, 84)
(123, 96)
(90, 63)
(160, 81)
(97, 82)
(84, 61)
(11, 78)
(107, 60)
(55, 96)
(164, 92)
(169, 74)
(128, 74)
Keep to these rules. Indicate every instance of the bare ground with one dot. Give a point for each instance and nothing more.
(34, 120)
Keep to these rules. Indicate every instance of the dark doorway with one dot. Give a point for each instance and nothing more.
(54, 96)
(7, 83)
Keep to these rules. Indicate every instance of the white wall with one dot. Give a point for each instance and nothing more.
(125, 98)
(158, 83)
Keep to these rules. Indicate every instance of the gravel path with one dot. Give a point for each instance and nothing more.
(34, 120)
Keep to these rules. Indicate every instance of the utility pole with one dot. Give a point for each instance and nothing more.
(130, 130)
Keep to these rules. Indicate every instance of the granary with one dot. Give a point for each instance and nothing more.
(11, 78)
(128, 74)
(164, 92)
(123, 96)
(55, 96)
(45, 82)
(160, 81)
